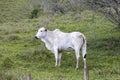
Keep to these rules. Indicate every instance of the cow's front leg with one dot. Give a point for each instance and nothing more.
(56, 56)
(56, 59)
(59, 56)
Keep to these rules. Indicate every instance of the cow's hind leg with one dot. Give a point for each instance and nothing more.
(77, 58)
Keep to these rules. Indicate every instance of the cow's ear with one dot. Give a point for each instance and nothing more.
(45, 29)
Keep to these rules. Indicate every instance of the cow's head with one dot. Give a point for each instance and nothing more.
(41, 33)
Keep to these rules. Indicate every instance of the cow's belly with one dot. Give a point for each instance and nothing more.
(67, 47)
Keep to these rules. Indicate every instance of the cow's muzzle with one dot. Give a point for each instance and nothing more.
(36, 37)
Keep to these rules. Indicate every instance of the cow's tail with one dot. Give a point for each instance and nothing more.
(84, 48)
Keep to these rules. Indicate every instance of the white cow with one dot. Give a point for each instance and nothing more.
(56, 41)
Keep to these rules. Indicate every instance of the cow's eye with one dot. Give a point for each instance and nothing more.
(40, 31)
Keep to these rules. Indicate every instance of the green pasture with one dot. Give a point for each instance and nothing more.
(21, 54)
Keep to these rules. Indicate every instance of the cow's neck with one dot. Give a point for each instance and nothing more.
(48, 38)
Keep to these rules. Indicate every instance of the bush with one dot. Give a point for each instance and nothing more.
(34, 13)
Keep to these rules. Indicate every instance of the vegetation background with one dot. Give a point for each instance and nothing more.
(21, 54)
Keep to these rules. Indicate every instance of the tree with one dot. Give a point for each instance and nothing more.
(109, 8)
(55, 6)
(68, 6)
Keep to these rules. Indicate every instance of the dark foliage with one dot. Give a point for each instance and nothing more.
(34, 13)
(109, 8)
(57, 7)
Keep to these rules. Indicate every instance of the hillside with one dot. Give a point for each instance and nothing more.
(21, 54)
(13, 10)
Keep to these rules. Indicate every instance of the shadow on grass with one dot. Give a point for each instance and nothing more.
(103, 53)
(105, 44)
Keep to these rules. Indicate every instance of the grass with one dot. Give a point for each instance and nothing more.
(13, 10)
(21, 54)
